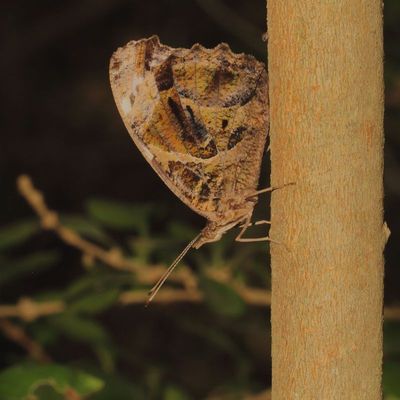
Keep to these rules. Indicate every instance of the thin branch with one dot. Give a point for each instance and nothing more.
(265, 395)
(164, 296)
(392, 313)
(28, 310)
(255, 297)
(49, 220)
(16, 334)
(251, 296)
(113, 258)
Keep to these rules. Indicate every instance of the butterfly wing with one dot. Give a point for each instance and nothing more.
(199, 117)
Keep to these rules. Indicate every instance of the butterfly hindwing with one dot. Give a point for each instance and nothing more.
(198, 116)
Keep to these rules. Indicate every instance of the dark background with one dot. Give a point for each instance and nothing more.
(59, 121)
(60, 125)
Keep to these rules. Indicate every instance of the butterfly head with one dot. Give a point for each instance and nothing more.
(214, 230)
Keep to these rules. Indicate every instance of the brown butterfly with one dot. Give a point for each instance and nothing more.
(200, 118)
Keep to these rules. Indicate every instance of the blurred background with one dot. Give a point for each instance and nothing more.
(72, 319)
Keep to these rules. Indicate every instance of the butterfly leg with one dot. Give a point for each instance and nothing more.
(268, 189)
(245, 226)
(260, 222)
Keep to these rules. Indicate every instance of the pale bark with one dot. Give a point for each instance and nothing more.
(326, 96)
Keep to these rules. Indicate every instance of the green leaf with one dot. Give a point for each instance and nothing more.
(86, 227)
(217, 251)
(143, 247)
(81, 329)
(391, 381)
(106, 355)
(17, 233)
(217, 338)
(43, 333)
(47, 393)
(221, 298)
(96, 280)
(122, 216)
(84, 283)
(117, 388)
(94, 302)
(21, 382)
(174, 393)
(392, 397)
(30, 264)
(181, 231)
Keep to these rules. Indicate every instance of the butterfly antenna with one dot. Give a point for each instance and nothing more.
(154, 290)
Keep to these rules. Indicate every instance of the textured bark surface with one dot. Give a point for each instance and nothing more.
(326, 96)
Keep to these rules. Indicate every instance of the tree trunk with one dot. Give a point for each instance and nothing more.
(326, 99)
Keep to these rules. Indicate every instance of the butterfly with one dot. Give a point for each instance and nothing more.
(200, 118)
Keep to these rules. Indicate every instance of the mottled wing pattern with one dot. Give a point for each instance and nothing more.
(198, 116)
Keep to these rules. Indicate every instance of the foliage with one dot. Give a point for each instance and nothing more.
(24, 381)
(102, 348)
(92, 293)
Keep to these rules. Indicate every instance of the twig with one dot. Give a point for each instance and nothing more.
(28, 310)
(19, 336)
(49, 220)
(392, 313)
(113, 258)
(255, 297)
(164, 296)
(144, 274)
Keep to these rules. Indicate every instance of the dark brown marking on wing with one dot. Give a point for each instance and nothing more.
(241, 99)
(164, 76)
(248, 96)
(179, 172)
(215, 183)
(185, 93)
(236, 137)
(194, 135)
(224, 123)
(205, 191)
(189, 178)
(180, 116)
(148, 55)
(210, 150)
(237, 99)
(221, 77)
(200, 130)
(115, 63)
